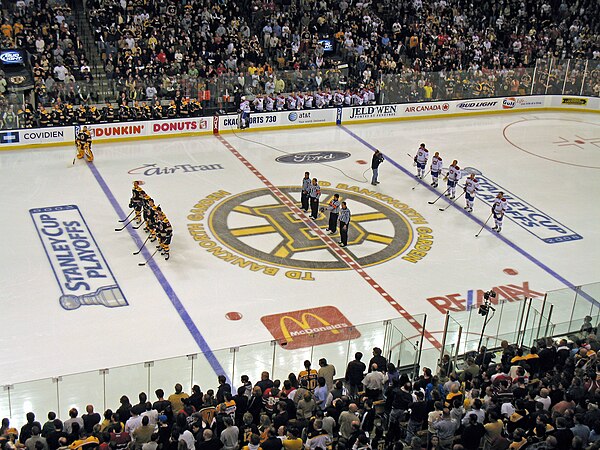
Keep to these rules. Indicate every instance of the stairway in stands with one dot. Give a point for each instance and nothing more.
(101, 83)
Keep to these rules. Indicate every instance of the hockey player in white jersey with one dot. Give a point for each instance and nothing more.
(280, 102)
(436, 168)
(269, 103)
(259, 103)
(499, 207)
(471, 188)
(308, 101)
(300, 101)
(244, 119)
(453, 176)
(421, 160)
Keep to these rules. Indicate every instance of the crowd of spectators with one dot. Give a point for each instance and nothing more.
(242, 46)
(215, 52)
(544, 397)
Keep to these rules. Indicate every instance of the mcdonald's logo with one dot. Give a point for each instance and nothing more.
(309, 327)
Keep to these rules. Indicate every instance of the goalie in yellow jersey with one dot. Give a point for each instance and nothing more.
(83, 142)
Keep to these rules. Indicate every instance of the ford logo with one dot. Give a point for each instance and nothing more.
(11, 57)
(292, 116)
(312, 157)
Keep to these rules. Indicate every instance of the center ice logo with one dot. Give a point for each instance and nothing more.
(259, 226)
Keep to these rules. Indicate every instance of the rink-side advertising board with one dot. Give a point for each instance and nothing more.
(82, 273)
(527, 216)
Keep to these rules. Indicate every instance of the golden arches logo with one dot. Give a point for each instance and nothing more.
(304, 325)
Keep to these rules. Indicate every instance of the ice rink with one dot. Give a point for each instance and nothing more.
(244, 257)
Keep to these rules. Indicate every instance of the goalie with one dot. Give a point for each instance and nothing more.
(83, 142)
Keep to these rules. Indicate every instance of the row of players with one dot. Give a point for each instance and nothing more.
(452, 177)
(62, 114)
(156, 222)
(307, 100)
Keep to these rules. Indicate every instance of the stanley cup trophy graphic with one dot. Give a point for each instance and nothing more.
(109, 296)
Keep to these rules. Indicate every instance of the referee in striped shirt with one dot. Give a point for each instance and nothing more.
(344, 219)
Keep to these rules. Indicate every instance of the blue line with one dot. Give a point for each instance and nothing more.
(512, 245)
(469, 299)
(187, 320)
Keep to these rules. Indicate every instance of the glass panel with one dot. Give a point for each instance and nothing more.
(204, 374)
(4, 402)
(168, 372)
(85, 387)
(37, 396)
(252, 360)
(128, 381)
(287, 361)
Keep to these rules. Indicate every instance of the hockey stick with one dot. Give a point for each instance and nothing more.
(452, 202)
(141, 223)
(488, 219)
(73, 163)
(151, 256)
(440, 196)
(137, 253)
(125, 219)
(421, 179)
(124, 226)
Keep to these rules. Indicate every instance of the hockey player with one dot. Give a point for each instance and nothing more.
(436, 168)
(269, 103)
(164, 235)
(137, 200)
(280, 102)
(499, 207)
(244, 119)
(83, 142)
(471, 188)
(291, 102)
(452, 178)
(338, 99)
(308, 101)
(149, 210)
(334, 211)
(259, 103)
(421, 160)
(300, 101)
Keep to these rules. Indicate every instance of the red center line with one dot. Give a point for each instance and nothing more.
(331, 244)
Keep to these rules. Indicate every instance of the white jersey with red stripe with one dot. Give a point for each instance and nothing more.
(471, 185)
(422, 155)
(436, 164)
(454, 173)
(499, 206)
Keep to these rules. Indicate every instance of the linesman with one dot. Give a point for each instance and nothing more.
(344, 219)
(314, 192)
(304, 196)
(334, 210)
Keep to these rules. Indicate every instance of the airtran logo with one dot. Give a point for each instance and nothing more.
(256, 231)
(312, 157)
(308, 327)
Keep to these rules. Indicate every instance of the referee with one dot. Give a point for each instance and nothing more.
(344, 223)
(314, 192)
(304, 195)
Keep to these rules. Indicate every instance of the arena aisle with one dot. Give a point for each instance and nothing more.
(243, 256)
